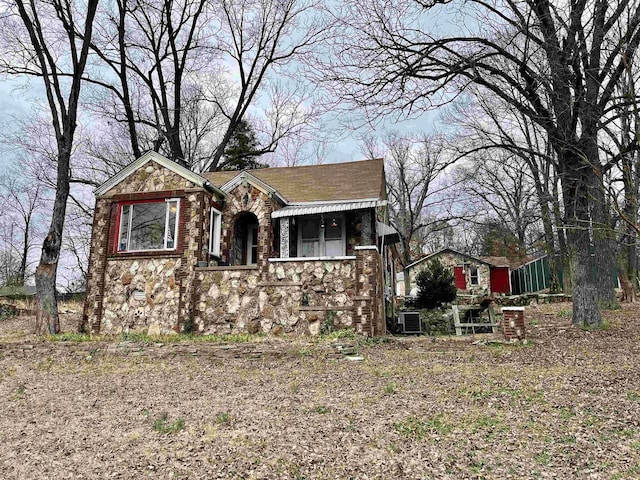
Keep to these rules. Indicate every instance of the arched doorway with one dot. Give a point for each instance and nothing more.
(244, 246)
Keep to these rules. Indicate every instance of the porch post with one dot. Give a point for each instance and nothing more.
(284, 237)
(365, 238)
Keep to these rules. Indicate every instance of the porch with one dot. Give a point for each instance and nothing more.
(292, 295)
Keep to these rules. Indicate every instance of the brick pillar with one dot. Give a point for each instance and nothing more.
(369, 297)
(102, 228)
(513, 323)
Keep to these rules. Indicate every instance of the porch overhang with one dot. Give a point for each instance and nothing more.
(315, 208)
(387, 233)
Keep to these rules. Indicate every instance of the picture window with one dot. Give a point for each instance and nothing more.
(148, 226)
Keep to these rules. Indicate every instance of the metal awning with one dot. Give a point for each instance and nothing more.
(315, 208)
(389, 233)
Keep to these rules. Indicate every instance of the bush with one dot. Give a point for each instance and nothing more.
(436, 322)
(435, 285)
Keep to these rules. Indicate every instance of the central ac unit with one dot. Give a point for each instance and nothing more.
(410, 322)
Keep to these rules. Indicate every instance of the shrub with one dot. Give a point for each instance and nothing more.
(436, 322)
(435, 285)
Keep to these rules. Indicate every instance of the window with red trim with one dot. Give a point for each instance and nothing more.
(148, 225)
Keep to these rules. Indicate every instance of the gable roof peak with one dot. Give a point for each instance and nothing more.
(150, 155)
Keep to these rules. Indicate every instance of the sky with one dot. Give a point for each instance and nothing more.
(13, 103)
(16, 101)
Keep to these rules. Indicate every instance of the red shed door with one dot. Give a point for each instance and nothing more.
(500, 280)
(461, 282)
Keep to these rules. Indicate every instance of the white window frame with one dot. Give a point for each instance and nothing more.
(321, 248)
(471, 276)
(131, 206)
(250, 245)
(215, 232)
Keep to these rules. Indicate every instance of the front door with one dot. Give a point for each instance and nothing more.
(460, 280)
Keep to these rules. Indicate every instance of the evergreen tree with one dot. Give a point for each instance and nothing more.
(243, 149)
(435, 285)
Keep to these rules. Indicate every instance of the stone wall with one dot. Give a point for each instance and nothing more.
(370, 294)
(451, 260)
(109, 306)
(192, 224)
(141, 295)
(97, 262)
(292, 296)
(158, 179)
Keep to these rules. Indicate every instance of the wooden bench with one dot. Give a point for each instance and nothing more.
(493, 323)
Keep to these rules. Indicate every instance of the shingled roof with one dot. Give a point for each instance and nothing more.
(315, 183)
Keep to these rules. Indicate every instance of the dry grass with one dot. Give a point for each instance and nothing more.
(565, 406)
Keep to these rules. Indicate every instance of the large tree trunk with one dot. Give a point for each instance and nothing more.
(47, 317)
(576, 183)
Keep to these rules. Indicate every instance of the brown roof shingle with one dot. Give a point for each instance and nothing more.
(309, 183)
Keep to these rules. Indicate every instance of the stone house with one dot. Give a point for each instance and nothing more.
(274, 250)
(472, 275)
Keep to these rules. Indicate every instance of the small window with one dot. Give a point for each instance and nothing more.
(474, 276)
(148, 226)
(310, 234)
(333, 237)
(216, 229)
(321, 236)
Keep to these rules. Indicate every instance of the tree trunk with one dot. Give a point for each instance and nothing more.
(555, 263)
(124, 81)
(629, 259)
(603, 236)
(546, 201)
(47, 320)
(25, 252)
(576, 183)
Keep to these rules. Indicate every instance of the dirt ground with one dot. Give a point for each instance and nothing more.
(566, 405)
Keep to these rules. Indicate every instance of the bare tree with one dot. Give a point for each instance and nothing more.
(40, 40)
(621, 146)
(150, 49)
(419, 198)
(261, 39)
(489, 126)
(23, 200)
(571, 54)
(503, 185)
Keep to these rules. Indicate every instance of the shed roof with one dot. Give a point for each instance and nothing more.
(431, 255)
(358, 180)
(492, 261)
(497, 261)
